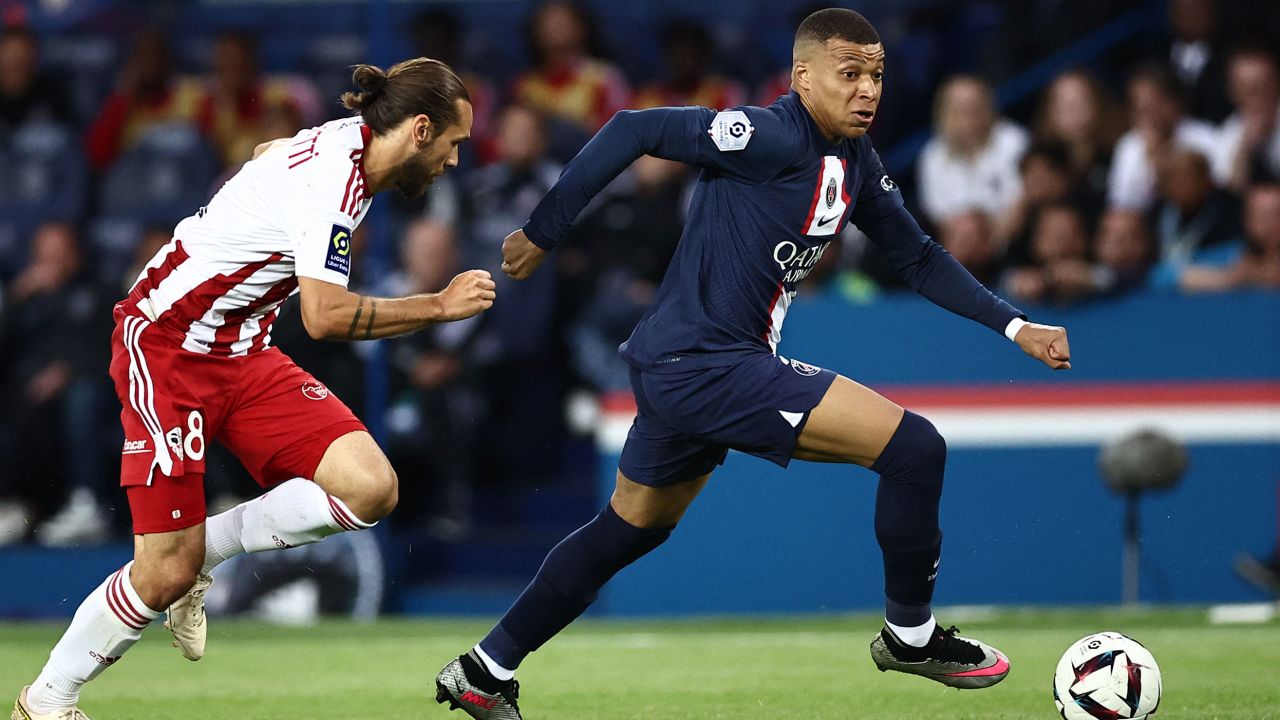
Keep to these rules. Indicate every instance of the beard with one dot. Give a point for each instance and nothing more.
(413, 176)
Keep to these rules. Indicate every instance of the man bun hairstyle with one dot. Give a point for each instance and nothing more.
(420, 86)
(837, 23)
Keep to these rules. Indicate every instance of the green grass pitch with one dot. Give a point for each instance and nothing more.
(778, 668)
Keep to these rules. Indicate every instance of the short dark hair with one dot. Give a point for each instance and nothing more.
(838, 23)
(418, 86)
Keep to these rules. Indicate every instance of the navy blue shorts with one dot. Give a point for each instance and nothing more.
(686, 422)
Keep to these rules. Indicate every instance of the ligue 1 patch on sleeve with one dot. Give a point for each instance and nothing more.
(338, 258)
(730, 130)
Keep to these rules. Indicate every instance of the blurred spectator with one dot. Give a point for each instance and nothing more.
(503, 194)
(433, 418)
(1259, 263)
(515, 350)
(1248, 149)
(1060, 271)
(439, 33)
(688, 55)
(148, 93)
(1045, 179)
(1078, 111)
(569, 81)
(968, 237)
(1125, 251)
(56, 332)
(153, 239)
(26, 95)
(1192, 214)
(1196, 58)
(1159, 126)
(239, 103)
(971, 162)
(615, 258)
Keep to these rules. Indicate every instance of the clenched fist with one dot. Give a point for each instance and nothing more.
(468, 294)
(520, 257)
(1046, 343)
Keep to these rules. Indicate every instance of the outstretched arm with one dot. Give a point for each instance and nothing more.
(331, 312)
(931, 271)
(759, 148)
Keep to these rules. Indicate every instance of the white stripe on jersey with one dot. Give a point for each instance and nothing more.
(776, 317)
(203, 332)
(275, 213)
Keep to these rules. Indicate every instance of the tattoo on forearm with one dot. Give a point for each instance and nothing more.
(351, 331)
(373, 313)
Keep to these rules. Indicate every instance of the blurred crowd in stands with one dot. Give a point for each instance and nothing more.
(1154, 165)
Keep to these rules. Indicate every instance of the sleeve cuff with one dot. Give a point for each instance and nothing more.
(1011, 330)
(537, 239)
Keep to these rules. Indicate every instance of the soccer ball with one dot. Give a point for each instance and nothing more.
(1106, 676)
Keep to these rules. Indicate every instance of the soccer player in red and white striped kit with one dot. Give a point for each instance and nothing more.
(191, 362)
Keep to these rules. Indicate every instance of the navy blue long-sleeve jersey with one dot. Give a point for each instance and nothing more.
(773, 195)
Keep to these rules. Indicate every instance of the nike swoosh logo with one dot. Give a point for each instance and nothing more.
(824, 221)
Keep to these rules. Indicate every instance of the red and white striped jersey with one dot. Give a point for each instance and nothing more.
(288, 213)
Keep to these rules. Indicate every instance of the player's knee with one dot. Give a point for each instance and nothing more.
(378, 494)
(929, 447)
(916, 449)
(163, 580)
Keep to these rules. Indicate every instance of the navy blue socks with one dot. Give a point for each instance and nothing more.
(910, 469)
(568, 583)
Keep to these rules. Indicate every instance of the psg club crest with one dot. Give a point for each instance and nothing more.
(831, 193)
(315, 391)
(805, 368)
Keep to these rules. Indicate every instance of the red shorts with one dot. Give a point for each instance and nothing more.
(274, 416)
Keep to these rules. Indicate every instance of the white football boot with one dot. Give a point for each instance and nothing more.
(22, 712)
(187, 619)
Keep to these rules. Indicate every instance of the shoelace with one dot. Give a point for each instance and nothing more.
(197, 602)
(953, 646)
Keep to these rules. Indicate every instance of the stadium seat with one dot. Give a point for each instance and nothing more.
(165, 177)
(43, 177)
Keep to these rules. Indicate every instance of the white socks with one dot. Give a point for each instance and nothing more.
(297, 512)
(111, 619)
(494, 668)
(107, 624)
(917, 636)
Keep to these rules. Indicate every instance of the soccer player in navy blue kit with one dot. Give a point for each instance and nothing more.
(777, 186)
